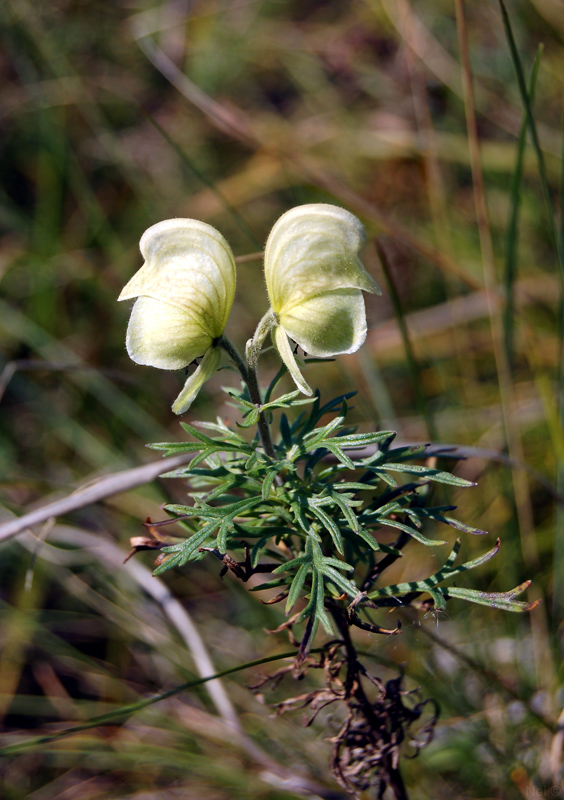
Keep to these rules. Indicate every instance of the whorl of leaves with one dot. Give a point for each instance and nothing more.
(314, 516)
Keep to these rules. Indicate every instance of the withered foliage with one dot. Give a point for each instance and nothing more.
(377, 721)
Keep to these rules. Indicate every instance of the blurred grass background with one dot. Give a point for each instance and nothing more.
(115, 116)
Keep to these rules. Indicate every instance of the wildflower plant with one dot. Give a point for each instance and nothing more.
(292, 493)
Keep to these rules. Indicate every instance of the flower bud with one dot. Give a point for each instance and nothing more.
(315, 282)
(184, 294)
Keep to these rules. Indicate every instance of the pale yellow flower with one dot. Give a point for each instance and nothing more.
(184, 294)
(315, 282)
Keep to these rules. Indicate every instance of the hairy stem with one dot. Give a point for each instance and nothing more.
(253, 352)
(227, 345)
(255, 344)
(248, 372)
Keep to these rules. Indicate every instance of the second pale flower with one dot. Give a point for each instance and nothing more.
(315, 282)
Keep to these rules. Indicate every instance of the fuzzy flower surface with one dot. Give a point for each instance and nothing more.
(315, 281)
(184, 292)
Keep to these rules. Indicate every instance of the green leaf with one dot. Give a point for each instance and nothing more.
(318, 592)
(460, 526)
(413, 532)
(371, 541)
(258, 546)
(251, 418)
(361, 487)
(407, 451)
(297, 585)
(347, 511)
(285, 431)
(330, 525)
(501, 600)
(477, 562)
(205, 454)
(176, 447)
(197, 434)
(425, 472)
(299, 515)
(221, 489)
(288, 400)
(339, 454)
(176, 508)
(318, 435)
(358, 440)
(437, 598)
(269, 479)
(239, 397)
(383, 475)
(275, 381)
(453, 555)
(251, 461)
(273, 584)
(333, 562)
(295, 562)
(447, 571)
(223, 532)
(185, 551)
(339, 580)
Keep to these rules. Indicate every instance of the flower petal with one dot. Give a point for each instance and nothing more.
(332, 323)
(189, 265)
(164, 336)
(313, 249)
(284, 348)
(205, 370)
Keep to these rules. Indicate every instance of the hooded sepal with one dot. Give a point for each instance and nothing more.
(313, 249)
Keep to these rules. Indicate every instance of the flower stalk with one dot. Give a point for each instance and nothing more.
(248, 373)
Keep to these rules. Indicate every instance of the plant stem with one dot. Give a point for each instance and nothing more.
(227, 345)
(253, 352)
(354, 689)
(255, 344)
(248, 372)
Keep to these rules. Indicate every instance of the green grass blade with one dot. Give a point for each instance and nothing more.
(512, 235)
(133, 708)
(407, 344)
